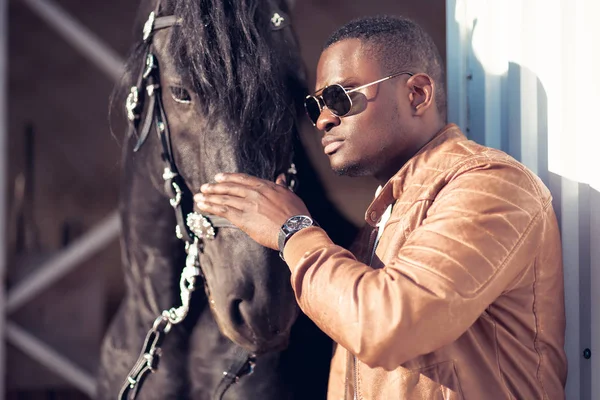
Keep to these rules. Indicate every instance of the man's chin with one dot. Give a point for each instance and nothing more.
(348, 170)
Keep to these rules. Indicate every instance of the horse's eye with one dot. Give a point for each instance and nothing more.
(180, 95)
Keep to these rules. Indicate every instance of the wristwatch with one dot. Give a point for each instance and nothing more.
(291, 226)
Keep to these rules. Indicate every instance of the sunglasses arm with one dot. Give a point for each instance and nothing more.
(379, 81)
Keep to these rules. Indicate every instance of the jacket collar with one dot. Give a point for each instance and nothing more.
(393, 187)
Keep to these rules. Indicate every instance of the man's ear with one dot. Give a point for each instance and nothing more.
(422, 93)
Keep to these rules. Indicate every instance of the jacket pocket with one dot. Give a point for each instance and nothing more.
(434, 382)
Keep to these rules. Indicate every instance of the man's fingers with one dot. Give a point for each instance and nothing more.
(221, 200)
(214, 209)
(242, 179)
(226, 211)
(230, 189)
(243, 186)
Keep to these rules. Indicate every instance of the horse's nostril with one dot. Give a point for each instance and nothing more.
(243, 318)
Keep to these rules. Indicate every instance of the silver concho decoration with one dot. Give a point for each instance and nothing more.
(151, 89)
(149, 26)
(277, 20)
(131, 104)
(292, 173)
(200, 225)
(168, 174)
(178, 193)
(150, 65)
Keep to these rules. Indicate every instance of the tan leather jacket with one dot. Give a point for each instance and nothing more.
(464, 299)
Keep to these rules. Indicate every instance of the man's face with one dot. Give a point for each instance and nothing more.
(372, 139)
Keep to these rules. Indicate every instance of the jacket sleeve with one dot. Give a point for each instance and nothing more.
(482, 230)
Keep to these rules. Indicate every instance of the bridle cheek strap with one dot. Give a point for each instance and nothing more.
(192, 229)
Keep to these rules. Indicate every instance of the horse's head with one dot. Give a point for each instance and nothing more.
(226, 79)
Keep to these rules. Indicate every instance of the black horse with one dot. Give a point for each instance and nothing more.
(224, 83)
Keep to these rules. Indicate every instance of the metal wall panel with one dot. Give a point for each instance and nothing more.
(522, 77)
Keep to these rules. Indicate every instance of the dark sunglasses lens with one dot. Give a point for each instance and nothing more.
(336, 99)
(313, 110)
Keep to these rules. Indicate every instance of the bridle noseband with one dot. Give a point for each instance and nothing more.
(192, 228)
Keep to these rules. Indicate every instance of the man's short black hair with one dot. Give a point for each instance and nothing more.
(398, 44)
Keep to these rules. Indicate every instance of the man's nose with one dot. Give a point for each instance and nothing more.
(327, 120)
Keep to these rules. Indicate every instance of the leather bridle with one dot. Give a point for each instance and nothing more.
(192, 228)
(148, 85)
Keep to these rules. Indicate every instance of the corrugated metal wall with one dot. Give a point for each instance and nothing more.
(523, 76)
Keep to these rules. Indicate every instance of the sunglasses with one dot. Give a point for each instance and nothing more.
(337, 99)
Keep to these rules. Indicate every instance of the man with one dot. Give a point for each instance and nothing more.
(463, 296)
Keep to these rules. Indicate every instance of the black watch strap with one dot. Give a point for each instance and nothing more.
(290, 227)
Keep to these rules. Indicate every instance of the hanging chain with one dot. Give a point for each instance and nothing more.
(149, 357)
(187, 284)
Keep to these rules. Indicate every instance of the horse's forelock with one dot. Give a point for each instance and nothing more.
(245, 73)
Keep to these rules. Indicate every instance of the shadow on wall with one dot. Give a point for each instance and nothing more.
(509, 110)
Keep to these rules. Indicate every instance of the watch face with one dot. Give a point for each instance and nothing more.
(299, 222)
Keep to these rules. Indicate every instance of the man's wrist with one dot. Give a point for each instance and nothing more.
(292, 226)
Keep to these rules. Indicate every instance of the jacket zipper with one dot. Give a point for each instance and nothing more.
(351, 366)
(351, 357)
(346, 380)
(355, 379)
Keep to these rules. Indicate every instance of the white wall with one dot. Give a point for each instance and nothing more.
(524, 76)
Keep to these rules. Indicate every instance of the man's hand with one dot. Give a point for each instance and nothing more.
(256, 206)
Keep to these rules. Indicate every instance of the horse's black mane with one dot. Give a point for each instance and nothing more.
(228, 53)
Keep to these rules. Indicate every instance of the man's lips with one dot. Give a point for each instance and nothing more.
(331, 144)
